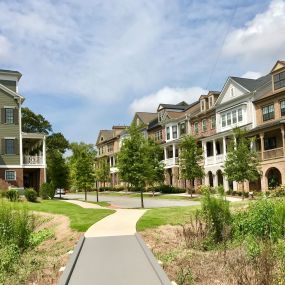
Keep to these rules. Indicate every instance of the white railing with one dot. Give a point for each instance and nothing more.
(33, 159)
(219, 158)
(113, 169)
(212, 160)
(171, 161)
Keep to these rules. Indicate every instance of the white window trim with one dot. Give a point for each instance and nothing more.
(10, 171)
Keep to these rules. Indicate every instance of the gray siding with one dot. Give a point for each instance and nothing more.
(8, 130)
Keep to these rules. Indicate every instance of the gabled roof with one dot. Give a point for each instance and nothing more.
(281, 63)
(252, 84)
(11, 92)
(106, 134)
(180, 106)
(146, 117)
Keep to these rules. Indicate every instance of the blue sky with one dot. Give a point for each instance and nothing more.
(87, 65)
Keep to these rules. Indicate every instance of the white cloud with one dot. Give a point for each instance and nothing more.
(4, 48)
(252, 75)
(166, 95)
(262, 37)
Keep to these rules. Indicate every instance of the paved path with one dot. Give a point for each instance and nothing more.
(134, 202)
(112, 253)
(85, 204)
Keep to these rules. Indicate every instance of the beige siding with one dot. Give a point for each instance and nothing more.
(8, 130)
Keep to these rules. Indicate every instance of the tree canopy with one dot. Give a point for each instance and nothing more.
(241, 163)
(34, 123)
(189, 158)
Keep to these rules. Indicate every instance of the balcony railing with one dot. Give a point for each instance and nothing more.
(171, 162)
(273, 153)
(212, 160)
(33, 159)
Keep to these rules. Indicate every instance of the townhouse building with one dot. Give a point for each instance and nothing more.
(256, 105)
(108, 146)
(23, 155)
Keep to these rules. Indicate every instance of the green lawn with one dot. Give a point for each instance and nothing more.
(80, 219)
(173, 215)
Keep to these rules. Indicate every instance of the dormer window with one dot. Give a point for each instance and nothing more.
(279, 80)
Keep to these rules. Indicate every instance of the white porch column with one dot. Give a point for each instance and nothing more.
(214, 150)
(206, 180)
(235, 186)
(44, 159)
(224, 146)
(114, 161)
(226, 183)
(173, 150)
(204, 147)
(165, 153)
(110, 161)
(215, 180)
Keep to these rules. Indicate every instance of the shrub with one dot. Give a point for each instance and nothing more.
(3, 193)
(12, 195)
(261, 220)
(47, 191)
(278, 192)
(16, 225)
(31, 194)
(168, 189)
(105, 188)
(217, 216)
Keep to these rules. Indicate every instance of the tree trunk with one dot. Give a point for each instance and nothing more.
(97, 192)
(85, 192)
(142, 203)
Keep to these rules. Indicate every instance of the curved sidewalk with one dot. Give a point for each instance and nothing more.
(111, 252)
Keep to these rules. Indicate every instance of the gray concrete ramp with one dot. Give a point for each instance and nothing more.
(115, 260)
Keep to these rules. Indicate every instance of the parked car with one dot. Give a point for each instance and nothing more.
(60, 191)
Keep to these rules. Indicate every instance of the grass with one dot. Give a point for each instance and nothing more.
(172, 215)
(80, 219)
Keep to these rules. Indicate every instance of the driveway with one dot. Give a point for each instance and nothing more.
(133, 202)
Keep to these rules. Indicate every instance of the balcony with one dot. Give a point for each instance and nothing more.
(33, 160)
(170, 162)
(220, 158)
(114, 169)
(271, 153)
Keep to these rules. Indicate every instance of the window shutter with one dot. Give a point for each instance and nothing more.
(16, 116)
(16, 146)
(3, 115)
(3, 146)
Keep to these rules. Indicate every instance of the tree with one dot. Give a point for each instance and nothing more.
(102, 172)
(189, 158)
(242, 163)
(34, 123)
(57, 141)
(82, 166)
(137, 163)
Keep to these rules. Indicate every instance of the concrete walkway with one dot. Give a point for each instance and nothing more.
(85, 205)
(113, 253)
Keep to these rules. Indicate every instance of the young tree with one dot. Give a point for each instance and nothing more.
(102, 173)
(82, 166)
(136, 161)
(189, 158)
(242, 163)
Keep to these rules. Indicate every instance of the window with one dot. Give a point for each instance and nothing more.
(182, 128)
(269, 143)
(174, 132)
(268, 112)
(110, 148)
(196, 128)
(158, 135)
(204, 125)
(282, 107)
(9, 116)
(9, 146)
(213, 122)
(168, 133)
(234, 116)
(229, 119)
(10, 175)
(239, 115)
(279, 80)
(223, 120)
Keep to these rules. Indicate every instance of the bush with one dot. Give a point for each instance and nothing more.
(168, 189)
(264, 220)
(12, 195)
(217, 216)
(278, 192)
(31, 194)
(16, 225)
(47, 191)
